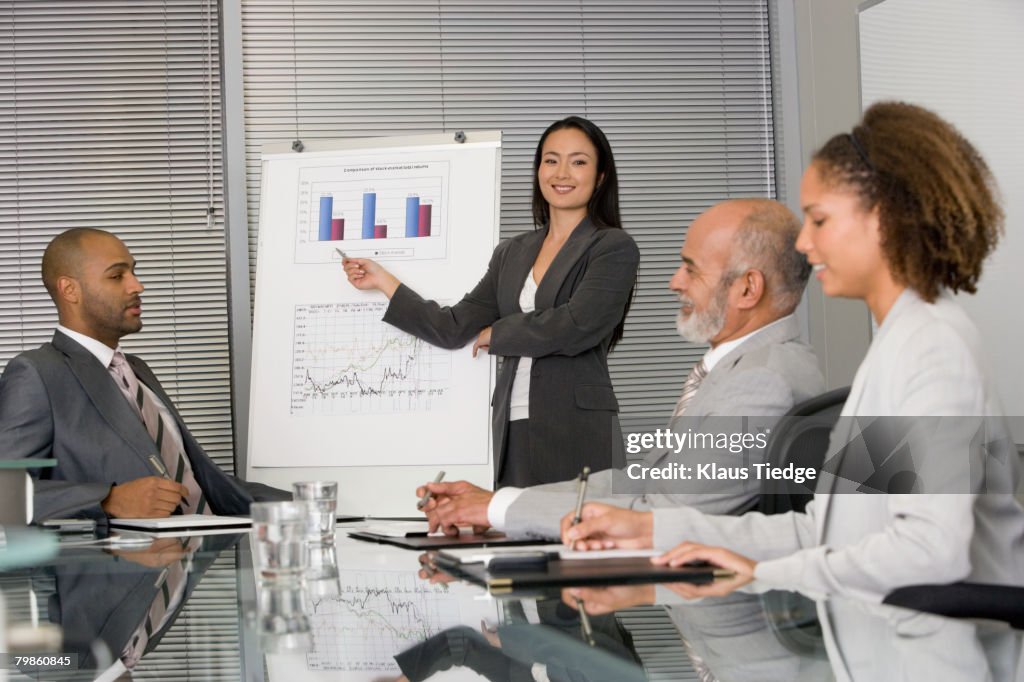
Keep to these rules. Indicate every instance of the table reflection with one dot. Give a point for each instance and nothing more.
(115, 605)
(873, 642)
(365, 612)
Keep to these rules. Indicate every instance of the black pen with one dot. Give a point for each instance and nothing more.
(426, 496)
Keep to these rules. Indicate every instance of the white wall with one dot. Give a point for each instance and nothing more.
(827, 84)
(965, 61)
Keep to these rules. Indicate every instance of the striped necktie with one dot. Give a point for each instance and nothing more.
(167, 439)
(170, 586)
(690, 387)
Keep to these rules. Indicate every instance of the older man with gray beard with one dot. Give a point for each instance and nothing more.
(739, 282)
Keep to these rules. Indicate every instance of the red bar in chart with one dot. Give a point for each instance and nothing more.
(380, 231)
(337, 229)
(424, 223)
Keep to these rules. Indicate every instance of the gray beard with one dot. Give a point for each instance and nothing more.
(701, 327)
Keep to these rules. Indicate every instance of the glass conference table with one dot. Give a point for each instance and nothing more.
(364, 613)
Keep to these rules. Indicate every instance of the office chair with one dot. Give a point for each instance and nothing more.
(800, 437)
(964, 600)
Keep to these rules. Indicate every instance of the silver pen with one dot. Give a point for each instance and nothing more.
(585, 627)
(581, 492)
(427, 495)
(159, 466)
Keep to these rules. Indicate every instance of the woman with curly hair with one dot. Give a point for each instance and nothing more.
(901, 213)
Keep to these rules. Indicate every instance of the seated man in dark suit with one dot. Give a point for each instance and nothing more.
(122, 449)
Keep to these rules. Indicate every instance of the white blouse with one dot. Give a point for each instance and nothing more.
(520, 403)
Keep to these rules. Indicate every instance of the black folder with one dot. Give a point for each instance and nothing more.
(581, 573)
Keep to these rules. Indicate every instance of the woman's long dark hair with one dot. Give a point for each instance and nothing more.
(603, 207)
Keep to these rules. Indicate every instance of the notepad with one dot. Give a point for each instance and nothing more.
(398, 529)
(484, 556)
(183, 521)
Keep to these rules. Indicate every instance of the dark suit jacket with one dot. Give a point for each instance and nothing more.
(59, 401)
(573, 410)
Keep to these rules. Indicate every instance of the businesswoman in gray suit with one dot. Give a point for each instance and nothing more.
(552, 304)
(900, 213)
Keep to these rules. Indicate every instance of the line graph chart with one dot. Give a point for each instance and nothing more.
(376, 615)
(346, 361)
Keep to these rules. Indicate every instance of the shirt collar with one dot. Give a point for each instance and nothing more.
(101, 351)
(715, 354)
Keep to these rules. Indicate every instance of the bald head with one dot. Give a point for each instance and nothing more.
(63, 256)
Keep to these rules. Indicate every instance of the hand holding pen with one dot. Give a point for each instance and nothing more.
(367, 274)
(427, 494)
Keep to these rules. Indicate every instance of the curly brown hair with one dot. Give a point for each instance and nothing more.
(938, 204)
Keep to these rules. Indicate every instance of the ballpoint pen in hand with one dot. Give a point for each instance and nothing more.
(581, 493)
(427, 495)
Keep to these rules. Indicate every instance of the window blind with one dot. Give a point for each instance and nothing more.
(682, 89)
(110, 118)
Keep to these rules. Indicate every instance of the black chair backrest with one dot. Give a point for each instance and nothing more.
(800, 438)
(964, 600)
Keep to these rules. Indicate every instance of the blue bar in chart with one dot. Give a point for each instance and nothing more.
(412, 216)
(369, 214)
(326, 206)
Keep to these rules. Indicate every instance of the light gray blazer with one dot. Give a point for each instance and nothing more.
(765, 376)
(58, 401)
(925, 360)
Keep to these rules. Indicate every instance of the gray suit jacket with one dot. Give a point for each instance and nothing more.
(764, 376)
(57, 401)
(573, 410)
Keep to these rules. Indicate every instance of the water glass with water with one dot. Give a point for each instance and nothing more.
(279, 539)
(322, 498)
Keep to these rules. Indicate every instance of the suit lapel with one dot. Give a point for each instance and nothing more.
(518, 266)
(573, 249)
(781, 331)
(107, 398)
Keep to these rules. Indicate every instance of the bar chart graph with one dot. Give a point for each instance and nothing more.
(396, 212)
(330, 228)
